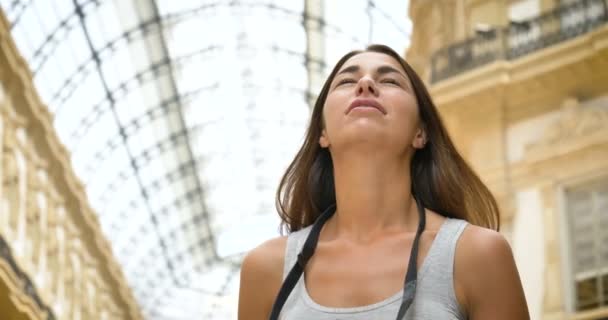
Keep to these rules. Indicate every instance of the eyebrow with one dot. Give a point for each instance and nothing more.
(380, 71)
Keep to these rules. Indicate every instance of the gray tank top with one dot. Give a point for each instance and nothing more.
(435, 296)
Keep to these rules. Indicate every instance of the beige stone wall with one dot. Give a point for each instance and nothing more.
(532, 127)
(52, 232)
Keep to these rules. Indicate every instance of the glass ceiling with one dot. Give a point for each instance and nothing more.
(181, 116)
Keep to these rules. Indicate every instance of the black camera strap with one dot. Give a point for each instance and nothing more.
(409, 287)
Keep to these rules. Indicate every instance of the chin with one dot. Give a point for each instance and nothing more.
(366, 140)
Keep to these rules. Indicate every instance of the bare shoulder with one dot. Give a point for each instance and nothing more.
(479, 242)
(261, 278)
(481, 253)
(486, 276)
(267, 258)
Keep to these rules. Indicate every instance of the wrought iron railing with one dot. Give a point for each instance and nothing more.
(519, 38)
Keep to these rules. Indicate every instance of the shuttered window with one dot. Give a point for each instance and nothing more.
(587, 210)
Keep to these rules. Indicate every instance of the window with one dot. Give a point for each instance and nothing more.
(587, 211)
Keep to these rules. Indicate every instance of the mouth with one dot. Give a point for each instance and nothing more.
(365, 103)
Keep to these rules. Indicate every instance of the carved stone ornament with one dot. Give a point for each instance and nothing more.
(575, 127)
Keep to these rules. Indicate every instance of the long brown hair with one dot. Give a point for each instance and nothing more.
(441, 178)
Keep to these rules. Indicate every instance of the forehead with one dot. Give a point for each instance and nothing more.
(371, 61)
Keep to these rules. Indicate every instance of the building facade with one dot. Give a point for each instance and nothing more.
(523, 88)
(54, 261)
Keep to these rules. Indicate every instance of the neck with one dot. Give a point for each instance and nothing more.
(373, 195)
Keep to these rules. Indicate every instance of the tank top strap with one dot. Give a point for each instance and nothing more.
(295, 242)
(440, 257)
(435, 296)
(437, 274)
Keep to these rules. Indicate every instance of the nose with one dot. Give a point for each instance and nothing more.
(366, 85)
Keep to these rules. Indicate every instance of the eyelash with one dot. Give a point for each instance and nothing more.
(349, 80)
(391, 81)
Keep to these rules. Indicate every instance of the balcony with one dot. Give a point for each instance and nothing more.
(519, 38)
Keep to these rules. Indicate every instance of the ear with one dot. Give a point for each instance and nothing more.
(420, 139)
(323, 140)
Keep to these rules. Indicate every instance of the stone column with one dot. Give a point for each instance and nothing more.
(553, 300)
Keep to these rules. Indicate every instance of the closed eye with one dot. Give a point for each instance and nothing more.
(391, 81)
(345, 81)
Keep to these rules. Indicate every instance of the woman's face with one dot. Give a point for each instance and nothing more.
(371, 101)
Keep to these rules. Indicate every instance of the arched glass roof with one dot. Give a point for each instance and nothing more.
(181, 116)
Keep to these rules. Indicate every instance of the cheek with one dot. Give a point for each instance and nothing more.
(410, 111)
(333, 108)
(334, 100)
(407, 118)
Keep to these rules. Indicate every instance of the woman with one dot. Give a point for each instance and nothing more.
(384, 183)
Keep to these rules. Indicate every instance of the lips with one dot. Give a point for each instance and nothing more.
(362, 102)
